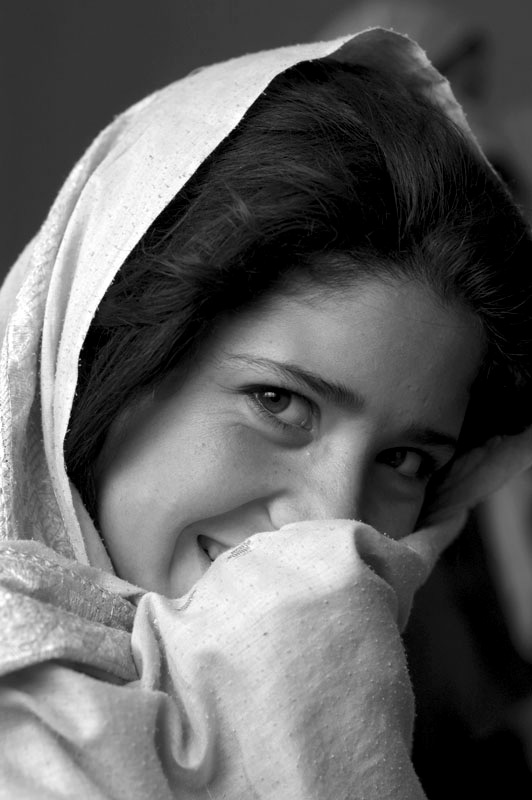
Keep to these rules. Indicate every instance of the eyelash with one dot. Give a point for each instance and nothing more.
(251, 393)
(429, 464)
(428, 467)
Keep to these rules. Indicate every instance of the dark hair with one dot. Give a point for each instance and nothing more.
(337, 172)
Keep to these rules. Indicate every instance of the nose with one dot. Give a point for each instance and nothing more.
(332, 485)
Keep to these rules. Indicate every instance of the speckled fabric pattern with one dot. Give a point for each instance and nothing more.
(47, 302)
(51, 609)
(298, 684)
(281, 674)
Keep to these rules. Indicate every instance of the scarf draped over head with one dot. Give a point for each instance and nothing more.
(322, 654)
(126, 178)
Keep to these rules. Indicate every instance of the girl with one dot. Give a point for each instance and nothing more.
(251, 366)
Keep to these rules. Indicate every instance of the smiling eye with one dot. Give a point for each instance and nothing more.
(409, 463)
(285, 407)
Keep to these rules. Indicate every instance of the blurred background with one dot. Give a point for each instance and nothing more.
(68, 67)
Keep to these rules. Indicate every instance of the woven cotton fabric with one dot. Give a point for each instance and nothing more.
(281, 674)
(140, 161)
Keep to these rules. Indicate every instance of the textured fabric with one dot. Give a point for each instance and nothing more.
(141, 161)
(281, 674)
(53, 609)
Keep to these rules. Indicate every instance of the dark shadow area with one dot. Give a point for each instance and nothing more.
(469, 682)
(68, 68)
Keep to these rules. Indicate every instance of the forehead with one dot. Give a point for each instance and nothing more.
(394, 342)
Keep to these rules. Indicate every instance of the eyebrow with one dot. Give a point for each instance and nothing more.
(337, 393)
(341, 395)
(431, 437)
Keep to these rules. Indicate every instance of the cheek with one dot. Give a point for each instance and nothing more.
(201, 472)
(389, 515)
(398, 524)
(233, 466)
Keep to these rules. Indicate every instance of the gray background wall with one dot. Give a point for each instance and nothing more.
(68, 66)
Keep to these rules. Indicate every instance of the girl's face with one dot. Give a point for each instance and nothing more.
(296, 410)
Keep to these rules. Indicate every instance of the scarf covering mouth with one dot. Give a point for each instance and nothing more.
(281, 674)
(119, 187)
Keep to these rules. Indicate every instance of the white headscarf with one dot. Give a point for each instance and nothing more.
(126, 178)
(315, 669)
(131, 172)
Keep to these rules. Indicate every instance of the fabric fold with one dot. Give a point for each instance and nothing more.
(293, 638)
(281, 674)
